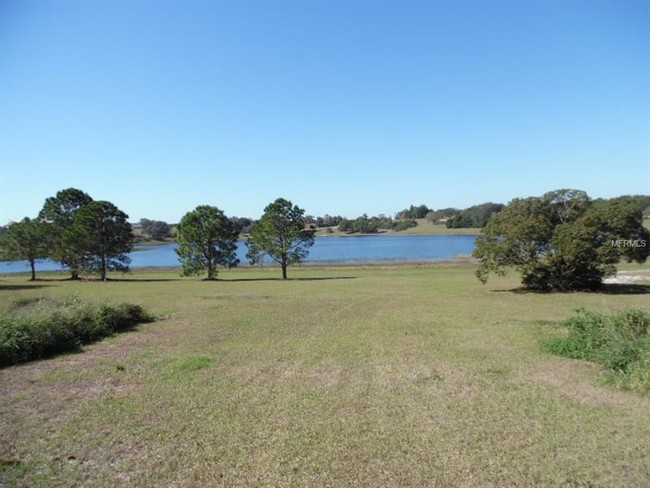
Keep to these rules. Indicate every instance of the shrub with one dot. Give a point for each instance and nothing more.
(34, 329)
(620, 342)
(404, 224)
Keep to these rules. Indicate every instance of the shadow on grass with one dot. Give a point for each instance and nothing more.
(625, 289)
(607, 289)
(20, 287)
(78, 349)
(162, 280)
(137, 280)
(324, 278)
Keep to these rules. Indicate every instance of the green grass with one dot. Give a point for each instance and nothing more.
(342, 376)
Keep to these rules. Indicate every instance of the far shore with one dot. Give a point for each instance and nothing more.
(424, 228)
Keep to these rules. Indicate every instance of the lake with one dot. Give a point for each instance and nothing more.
(347, 250)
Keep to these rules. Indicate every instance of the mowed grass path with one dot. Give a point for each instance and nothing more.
(394, 376)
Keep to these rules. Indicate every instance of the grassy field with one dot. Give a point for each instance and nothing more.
(357, 376)
(425, 227)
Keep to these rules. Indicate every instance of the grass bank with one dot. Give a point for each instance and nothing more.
(33, 328)
(347, 376)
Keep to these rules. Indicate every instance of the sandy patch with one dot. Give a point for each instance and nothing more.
(628, 277)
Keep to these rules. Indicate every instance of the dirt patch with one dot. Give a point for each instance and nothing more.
(576, 380)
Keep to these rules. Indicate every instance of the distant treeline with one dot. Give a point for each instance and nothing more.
(371, 225)
(472, 217)
(453, 218)
(477, 216)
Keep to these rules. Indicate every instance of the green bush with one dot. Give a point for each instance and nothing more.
(38, 328)
(620, 342)
(401, 225)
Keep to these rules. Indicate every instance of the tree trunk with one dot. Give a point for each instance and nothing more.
(284, 268)
(74, 273)
(103, 267)
(32, 264)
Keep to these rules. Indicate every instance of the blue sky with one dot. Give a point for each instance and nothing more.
(342, 107)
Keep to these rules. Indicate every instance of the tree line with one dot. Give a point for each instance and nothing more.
(476, 216)
(559, 241)
(372, 225)
(83, 234)
(89, 236)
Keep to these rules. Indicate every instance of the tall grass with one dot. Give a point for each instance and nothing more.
(620, 342)
(36, 328)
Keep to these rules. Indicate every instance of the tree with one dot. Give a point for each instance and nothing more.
(401, 225)
(156, 229)
(60, 211)
(206, 238)
(281, 235)
(365, 225)
(413, 212)
(242, 224)
(345, 225)
(560, 241)
(328, 221)
(102, 235)
(25, 240)
(476, 216)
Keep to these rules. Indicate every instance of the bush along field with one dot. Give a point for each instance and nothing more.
(357, 376)
(620, 342)
(35, 328)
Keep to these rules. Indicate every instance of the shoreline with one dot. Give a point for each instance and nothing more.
(461, 260)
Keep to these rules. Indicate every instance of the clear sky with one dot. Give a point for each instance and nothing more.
(341, 107)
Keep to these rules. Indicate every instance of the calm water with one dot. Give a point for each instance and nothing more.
(358, 249)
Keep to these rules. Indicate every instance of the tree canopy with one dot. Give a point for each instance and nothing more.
(372, 225)
(102, 235)
(281, 235)
(156, 229)
(561, 241)
(413, 212)
(475, 216)
(25, 240)
(60, 211)
(206, 238)
(242, 224)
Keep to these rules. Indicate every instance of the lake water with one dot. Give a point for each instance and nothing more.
(350, 250)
